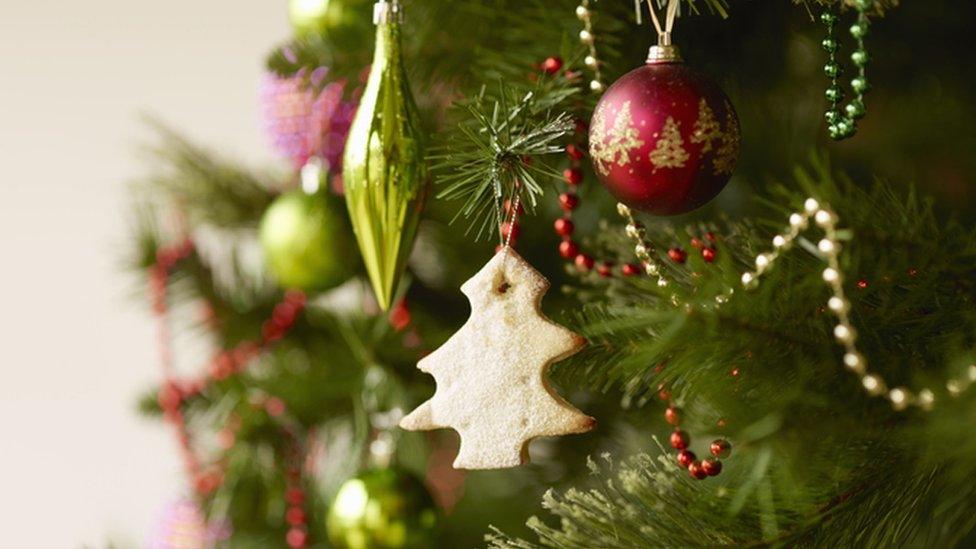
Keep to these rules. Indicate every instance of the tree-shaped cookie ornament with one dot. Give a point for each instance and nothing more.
(492, 384)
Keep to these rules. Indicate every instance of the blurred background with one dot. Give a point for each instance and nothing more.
(78, 465)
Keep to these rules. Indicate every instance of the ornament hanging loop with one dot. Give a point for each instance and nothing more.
(664, 51)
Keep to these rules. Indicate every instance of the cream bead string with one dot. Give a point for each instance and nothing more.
(900, 398)
(588, 39)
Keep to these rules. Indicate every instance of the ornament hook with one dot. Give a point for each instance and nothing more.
(664, 51)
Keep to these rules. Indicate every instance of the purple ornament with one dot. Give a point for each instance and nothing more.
(301, 123)
(183, 525)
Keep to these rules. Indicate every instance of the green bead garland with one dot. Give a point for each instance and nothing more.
(842, 122)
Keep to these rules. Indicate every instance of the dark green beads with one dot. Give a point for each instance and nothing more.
(842, 122)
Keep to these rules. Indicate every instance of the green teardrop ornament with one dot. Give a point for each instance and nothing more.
(384, 173)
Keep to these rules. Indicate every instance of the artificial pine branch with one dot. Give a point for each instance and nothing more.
(793, 406)
(497, 154)
(207, 189)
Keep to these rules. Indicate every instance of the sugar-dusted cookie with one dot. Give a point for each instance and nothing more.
(492, 386)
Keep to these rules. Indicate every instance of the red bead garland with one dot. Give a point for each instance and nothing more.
(552, 65)
(569, 201)
(680, 440)
(174, 393)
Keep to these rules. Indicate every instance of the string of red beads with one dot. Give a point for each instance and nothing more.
(295, 514)
(174, 392)
(680, 441)
(564, 227)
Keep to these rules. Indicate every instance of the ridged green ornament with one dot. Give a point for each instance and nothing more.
(384, 173)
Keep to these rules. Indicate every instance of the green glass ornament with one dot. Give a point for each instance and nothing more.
(384, 173)
(307, 242)
(382, 509)
(327, 16)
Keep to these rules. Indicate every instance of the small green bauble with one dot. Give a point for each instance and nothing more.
(382, 509)
(829, 45)
(307, 242)
(859, 30)
(863, 5)
(855, 109)
(828, 18)
(832, 70)
(832, 117)
(325, 16)
(834, 94)
(860, 58)
(845, 128)
(859, 84)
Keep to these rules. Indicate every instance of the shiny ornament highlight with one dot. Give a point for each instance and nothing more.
(321, 17)
(382, 508)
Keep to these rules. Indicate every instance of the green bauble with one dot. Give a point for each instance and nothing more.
(307, 242)
(327, 16)
(384, 173)
(382, 509)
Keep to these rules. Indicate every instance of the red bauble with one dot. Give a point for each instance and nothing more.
(712, 467)
(573, 176)
(584, 262)
(678, 255)
(672, 415)
(720, 448)
(697, 470)
(664, 139)
(568, 201)
(564, 226)
(686, 458)
(568, 249)
(679, 440)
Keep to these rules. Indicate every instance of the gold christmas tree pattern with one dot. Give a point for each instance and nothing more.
(492, 384)
(727, 155)
(669, 151)
(706, 129)
(615, 143)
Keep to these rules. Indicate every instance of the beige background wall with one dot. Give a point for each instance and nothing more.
(77, 465)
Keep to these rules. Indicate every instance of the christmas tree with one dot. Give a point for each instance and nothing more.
(787, 360)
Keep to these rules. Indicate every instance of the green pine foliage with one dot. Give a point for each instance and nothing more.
(816, 461)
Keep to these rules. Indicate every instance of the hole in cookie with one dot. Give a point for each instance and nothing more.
(500, 284)
(524, 422)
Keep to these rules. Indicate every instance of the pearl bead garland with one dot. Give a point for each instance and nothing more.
(642, 248)
(588, 39)
(900, 398)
